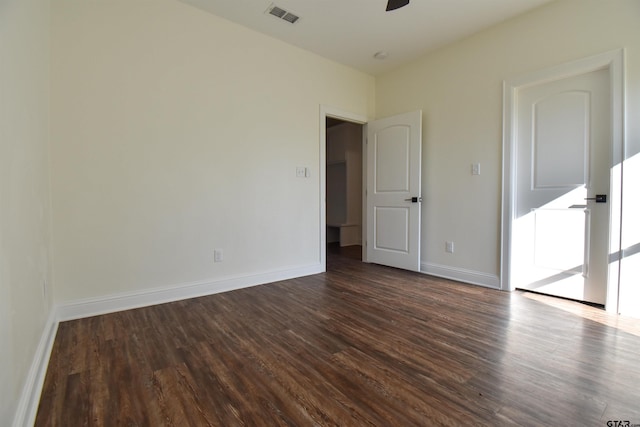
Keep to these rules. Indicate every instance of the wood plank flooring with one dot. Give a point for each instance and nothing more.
(361, 345)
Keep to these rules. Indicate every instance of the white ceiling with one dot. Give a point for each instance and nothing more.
(352, 31)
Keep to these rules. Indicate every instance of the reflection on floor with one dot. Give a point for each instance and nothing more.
(587, 311)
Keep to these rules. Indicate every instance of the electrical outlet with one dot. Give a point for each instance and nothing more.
(475, 169)
(218, 255)
(448, 247)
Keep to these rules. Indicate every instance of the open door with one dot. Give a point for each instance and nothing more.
(393, 191)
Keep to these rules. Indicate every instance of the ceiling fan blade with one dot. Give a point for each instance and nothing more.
(396, 4)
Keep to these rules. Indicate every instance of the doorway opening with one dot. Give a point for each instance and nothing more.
(344, 156)
(389, 226)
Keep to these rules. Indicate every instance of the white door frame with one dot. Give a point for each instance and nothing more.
(614, 62)
(326, 111)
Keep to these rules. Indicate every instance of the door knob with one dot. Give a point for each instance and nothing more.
(600, 198)
(414, 200)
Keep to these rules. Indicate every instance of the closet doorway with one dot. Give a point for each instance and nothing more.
(344, 188)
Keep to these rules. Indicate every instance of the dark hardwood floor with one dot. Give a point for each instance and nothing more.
(362, 345)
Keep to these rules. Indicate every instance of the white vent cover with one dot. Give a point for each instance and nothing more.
(279, 12)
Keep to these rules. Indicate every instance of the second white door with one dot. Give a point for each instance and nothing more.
(560, 230)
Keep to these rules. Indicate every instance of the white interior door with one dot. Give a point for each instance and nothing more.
(560, 239)
(393, 191)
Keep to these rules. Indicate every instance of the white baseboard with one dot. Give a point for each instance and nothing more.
(30, 398)
(27, 408)
(461, 275)
(129, 300)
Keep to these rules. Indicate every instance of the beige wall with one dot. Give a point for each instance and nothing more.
(24, 193)
(176, 132)
(459, 89)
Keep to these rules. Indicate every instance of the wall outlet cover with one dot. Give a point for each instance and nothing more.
(448, 247)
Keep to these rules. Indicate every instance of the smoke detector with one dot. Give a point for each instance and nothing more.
(381, 55)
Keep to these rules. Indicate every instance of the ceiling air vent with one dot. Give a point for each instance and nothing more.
(285, 15)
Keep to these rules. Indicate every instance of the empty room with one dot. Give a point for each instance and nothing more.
(367, 212)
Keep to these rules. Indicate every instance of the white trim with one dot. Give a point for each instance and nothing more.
(461, 275)
(27, 408)
(129, 300)
(614, 62)
(326, 111)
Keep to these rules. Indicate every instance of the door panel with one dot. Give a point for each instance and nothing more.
(560, 236)
(563, 156)
(392, 229)
(391, 151)
(560, 125)
(393, 179)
